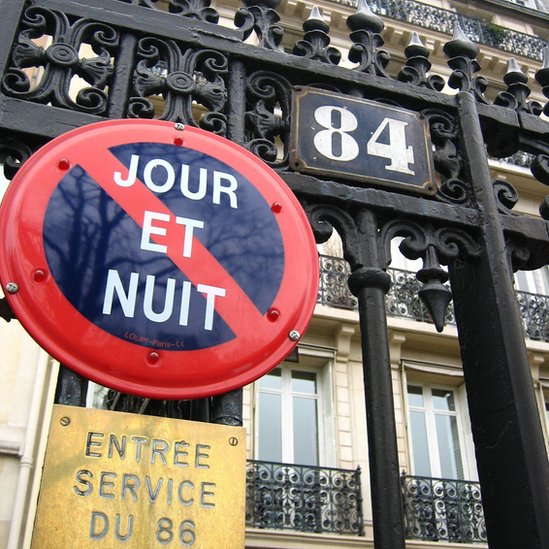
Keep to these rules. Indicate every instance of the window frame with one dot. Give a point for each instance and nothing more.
(447, 379)
(287, 396)
(320, 360)
(533, 282)
(430, 414)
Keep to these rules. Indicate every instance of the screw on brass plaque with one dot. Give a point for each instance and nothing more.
(65, 421)
(233, 441)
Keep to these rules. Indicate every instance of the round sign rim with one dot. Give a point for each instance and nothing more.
(60, 329)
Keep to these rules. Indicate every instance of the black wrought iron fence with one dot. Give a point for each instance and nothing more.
(403, 299)
(303, 498)
(437, 509)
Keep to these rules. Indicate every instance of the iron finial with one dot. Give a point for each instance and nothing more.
(365, 19)
(460, 45)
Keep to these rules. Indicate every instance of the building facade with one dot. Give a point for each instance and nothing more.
(308, 482)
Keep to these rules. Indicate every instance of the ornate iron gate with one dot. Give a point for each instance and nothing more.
(127, 54)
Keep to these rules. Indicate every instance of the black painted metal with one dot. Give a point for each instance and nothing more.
(71, 388)
(303, 498)
(504, 416)
(196, 410)
(370, 283)
(207, 76)
(227, 409)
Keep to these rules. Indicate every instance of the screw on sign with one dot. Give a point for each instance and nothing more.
(160, 261)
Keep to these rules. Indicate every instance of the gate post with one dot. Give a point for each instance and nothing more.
(9, 29)
(370, 283)
(511, 455)
(226, 409)
(71, 388)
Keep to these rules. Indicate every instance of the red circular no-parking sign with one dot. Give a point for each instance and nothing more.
(157, 260)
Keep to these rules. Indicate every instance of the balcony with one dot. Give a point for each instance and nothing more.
(403, 299)
(437, 509)
(325, 500)
(441, 20)
(303, 498)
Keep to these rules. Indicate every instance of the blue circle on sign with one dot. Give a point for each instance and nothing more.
(94, 248)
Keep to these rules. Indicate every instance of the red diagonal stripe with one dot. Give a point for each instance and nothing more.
(236, 308)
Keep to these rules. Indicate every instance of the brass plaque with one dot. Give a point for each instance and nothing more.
(113, 480)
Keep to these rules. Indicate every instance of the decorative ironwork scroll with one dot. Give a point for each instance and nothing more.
(303, 498)
(189, 81)
(51, 40)
(439, 509)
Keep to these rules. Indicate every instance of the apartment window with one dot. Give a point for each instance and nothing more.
(399, 261)
(288, 417)
(437, 450)
(524, 3)
(96, 396)
(534, 282)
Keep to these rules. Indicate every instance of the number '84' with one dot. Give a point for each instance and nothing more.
(336, 142)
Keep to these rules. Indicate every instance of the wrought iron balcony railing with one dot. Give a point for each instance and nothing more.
(534, 310)
(441, 20)
(403, 298)
(438, 509)
(520, 158)
(332, 289)
(303, 498)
